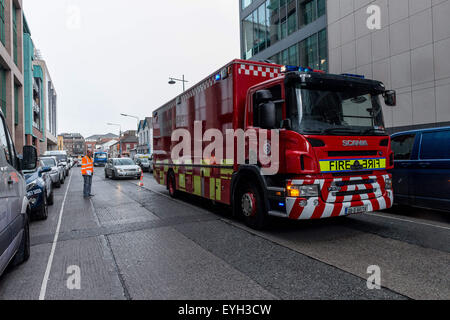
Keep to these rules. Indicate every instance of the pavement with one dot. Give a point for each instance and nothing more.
(136, 243)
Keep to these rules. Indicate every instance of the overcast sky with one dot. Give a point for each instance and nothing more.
(108, 57)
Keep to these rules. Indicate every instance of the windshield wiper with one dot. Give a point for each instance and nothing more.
(341, 130)
(373, 130)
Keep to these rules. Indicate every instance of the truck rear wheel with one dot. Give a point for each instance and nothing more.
(251, 206)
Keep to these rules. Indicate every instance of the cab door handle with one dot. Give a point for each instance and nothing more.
(405, 165)
(424, 164)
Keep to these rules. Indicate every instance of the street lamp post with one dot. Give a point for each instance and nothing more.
(120, 135)
(174, 80)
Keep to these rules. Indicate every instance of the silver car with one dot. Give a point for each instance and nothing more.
(122, 168)
(57, 174)
(15, 209)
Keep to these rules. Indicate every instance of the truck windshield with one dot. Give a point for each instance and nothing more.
(343, 112)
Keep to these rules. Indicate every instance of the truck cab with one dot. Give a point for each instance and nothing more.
(335, 153)
(100, 159)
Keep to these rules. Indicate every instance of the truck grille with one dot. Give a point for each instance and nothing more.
(353, 193)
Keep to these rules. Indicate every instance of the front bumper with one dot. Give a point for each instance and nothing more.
(333, 206)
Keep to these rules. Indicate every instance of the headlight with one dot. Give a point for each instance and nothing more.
(31, 185)
(388, 183)
(306, 191)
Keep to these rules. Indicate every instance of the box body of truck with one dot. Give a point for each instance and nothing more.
(320, 174)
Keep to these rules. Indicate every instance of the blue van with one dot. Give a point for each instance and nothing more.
(100, 159)
(421, 176)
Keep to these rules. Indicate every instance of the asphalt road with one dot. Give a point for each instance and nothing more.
(137, 243)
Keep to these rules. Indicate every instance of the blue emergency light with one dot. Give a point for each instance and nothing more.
(353, 75)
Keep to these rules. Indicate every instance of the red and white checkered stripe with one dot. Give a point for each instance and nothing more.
(334, 206)
(258, 71)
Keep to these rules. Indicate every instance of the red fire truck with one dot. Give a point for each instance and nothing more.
(335, 154)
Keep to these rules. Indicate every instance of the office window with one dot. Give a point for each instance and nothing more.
(434, 146)
(283, 19)
(15, 39)
(309, 52)
(323, 50)
(321, 7)
(2, 22)
(246, 3)
(273, 15)
(261, 27)
(292, 16)
(248, 37)
(293, 55)
(307, 11)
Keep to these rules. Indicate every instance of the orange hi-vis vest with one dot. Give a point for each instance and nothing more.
(87, 166)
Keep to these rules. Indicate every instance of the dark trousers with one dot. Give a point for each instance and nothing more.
(87, 186)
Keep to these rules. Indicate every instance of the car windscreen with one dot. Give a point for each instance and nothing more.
(48, 162)
(123, 162)
(100, 156)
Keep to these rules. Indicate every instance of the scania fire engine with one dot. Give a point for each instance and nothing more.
(334, 152)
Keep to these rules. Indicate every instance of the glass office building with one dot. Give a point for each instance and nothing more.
(290, 32)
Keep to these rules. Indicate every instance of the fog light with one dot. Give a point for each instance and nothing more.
(303, 203)
(388, 183)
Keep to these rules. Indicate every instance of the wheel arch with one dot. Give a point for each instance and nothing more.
(249, 171)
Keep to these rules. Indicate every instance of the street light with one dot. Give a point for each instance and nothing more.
(174, 81)
(120, 135)
(130, 116)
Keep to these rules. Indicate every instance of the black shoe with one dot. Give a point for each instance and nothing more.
(92, 195)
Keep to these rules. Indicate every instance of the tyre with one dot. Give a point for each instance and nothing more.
(58, 184)
(51, 199)
(114, 175)
(42, 214)
(23, 254)
(63, 180)
(250, 204)
(106, 175)
(172, 185)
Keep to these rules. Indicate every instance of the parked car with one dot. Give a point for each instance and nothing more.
(15, 209)
(39, 191)
(57, 174)
(62, 158)
(145, 164)
(122, 168)
(422, 168)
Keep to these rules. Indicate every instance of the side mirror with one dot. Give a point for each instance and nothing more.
(267, 115)
(390, 98)
(46, 169)
(30, 157)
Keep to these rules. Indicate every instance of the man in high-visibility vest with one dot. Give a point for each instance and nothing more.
(87, 170)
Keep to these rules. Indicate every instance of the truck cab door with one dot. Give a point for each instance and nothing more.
(403, 147)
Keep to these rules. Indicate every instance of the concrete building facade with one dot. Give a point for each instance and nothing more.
(409, 52)
(12, 68)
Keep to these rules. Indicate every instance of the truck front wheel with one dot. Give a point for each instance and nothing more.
(251, 206)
